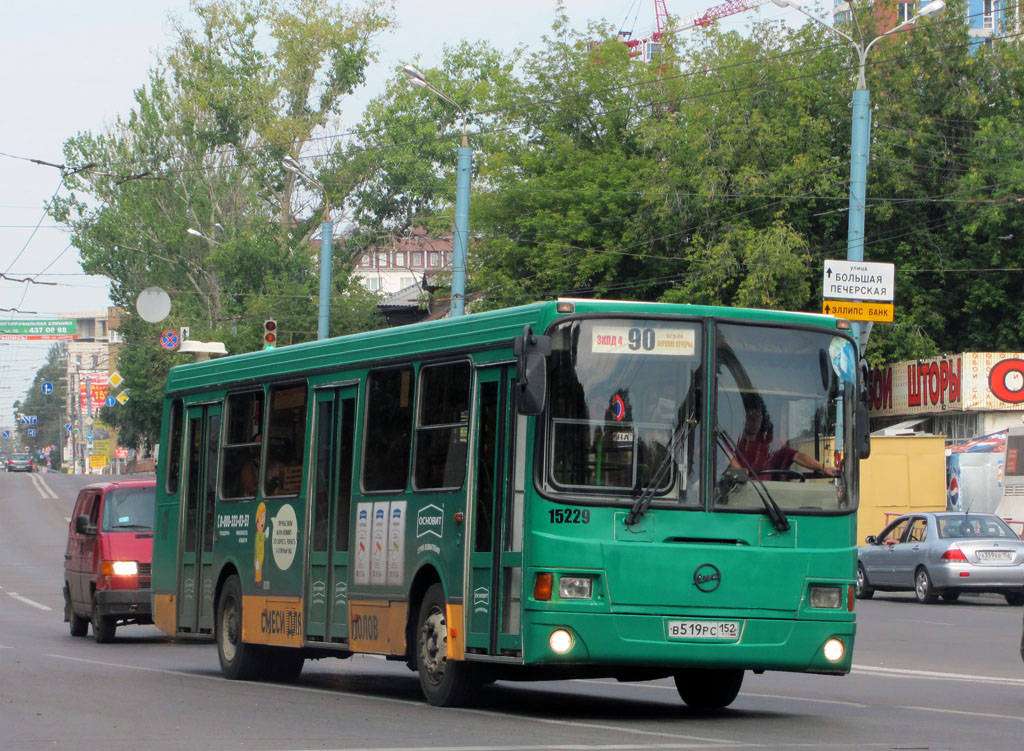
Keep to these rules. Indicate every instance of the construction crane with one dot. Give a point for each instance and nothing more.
(648, 47)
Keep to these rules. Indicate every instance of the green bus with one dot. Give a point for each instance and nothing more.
(570, 488)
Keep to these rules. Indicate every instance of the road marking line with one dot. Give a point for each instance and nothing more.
(41, 486)
(969, 714)
(931, 675)
(742, 693)
(688, 741)
(47, 486)
(27, 601)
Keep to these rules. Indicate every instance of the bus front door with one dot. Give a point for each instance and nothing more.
(496, 558)
(196, 583)
(330, 506)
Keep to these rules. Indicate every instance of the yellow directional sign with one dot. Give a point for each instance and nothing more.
(115, 379)
(123, 397)
(859, 311)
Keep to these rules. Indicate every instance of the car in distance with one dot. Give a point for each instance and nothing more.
(943, 554)
(109, 557)
(20, 463)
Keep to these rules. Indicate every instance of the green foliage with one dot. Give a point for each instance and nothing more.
(187, 192)
(719, 173)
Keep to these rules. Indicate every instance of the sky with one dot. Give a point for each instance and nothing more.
(72, 65)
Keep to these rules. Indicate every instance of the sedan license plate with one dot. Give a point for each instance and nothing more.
(727, 630)
(995, 555)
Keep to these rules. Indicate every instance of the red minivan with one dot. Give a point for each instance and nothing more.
(109, 558)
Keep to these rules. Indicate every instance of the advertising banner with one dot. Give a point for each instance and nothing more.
(971, 381)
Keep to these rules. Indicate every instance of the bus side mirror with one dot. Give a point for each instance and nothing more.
(863, 418)
(532, 372)
(863, 431)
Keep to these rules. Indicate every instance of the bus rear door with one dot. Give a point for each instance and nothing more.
(196, 582)
(496, 558)
(331, 499)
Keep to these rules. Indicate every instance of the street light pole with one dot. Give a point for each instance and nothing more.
(860, 136)
(465, 167)
(326, 248)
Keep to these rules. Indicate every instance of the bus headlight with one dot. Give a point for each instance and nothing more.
(575, 587)
(826, 597)
(834, 650)
(560, 641)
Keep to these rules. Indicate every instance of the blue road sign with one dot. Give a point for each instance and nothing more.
(111, 401)
(31, 432)
(47, 388)
(169, 340)
(68, 426)
(6, 434)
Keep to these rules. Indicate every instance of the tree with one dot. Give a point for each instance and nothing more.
(719, 174)
(48, 409)
(202, 151)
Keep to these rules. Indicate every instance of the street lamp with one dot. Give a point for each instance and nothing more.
(197, 233)
(465, 166)
(326, 240)
(860, 140)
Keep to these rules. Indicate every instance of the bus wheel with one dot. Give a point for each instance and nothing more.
(283, 664)
(238, 660)
(445, 683)
(708, 689)
(103, 626)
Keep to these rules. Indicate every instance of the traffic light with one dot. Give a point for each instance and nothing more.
(269, 333)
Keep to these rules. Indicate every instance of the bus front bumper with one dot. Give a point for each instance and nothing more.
(799, 645)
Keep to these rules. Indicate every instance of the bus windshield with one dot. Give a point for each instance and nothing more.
(624, 392)
(778, 399)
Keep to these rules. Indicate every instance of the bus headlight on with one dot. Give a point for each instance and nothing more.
(834, 650)
(560, 641)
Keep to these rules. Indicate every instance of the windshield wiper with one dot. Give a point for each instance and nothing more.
(775, 513)
(643, 500)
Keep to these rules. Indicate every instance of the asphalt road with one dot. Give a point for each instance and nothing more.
(944, 676)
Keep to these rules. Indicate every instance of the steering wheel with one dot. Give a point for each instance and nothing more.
(784, 474)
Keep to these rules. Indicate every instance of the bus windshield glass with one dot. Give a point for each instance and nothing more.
(625, 394)
(780, 395)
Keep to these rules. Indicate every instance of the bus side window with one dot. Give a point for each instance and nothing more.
(286, 433)
(240, 456)
(174, 448)
(442, 429)
(388, 429)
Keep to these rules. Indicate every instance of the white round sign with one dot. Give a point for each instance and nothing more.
(154, 305)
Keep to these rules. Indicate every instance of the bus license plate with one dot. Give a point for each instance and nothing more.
(703, 629)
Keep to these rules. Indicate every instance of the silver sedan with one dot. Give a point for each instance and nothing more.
(943, 554)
